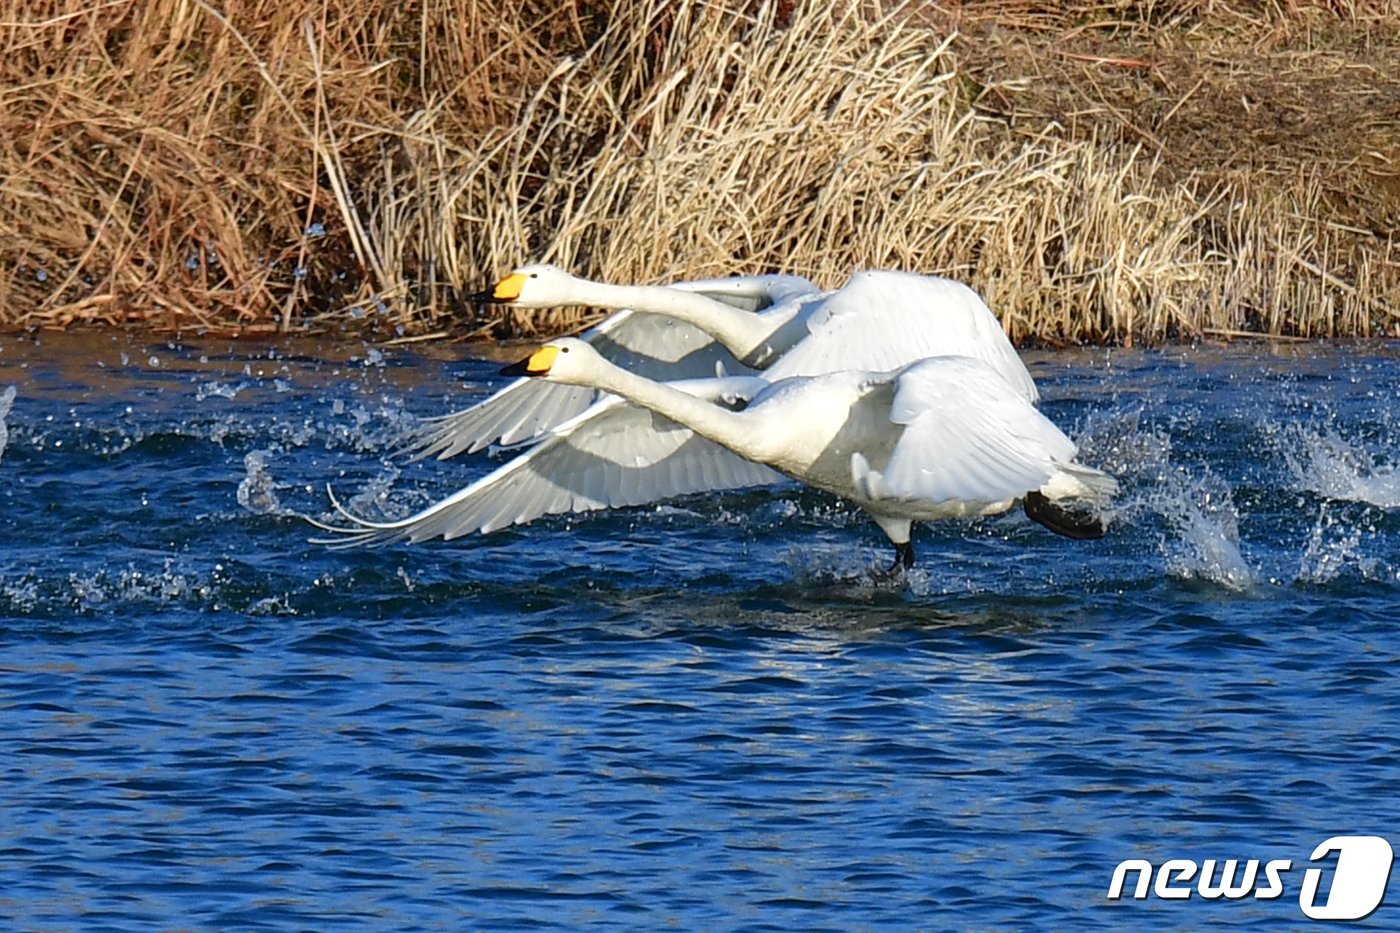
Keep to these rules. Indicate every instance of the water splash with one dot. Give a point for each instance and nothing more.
(760, 510)
(1202, 513)
(258, 491)
(21, 595)
(1118, 443)
(376, 497)
(1324, 462)
(1334, 548)
(91, 591)
(272, 606)
(217, 389)
(815, 564)
(7, 400)
(1197, 507)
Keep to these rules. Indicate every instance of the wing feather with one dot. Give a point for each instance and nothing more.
(614, 454)
(521, 410)
(881, 321)
(968, 436)
(750, 292)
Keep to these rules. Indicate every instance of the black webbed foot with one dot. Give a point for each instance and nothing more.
(1063, 520)
(903, 561)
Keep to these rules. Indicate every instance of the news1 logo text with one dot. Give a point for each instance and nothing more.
(1358, 880)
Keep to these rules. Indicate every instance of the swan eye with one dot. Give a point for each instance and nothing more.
(563, 349)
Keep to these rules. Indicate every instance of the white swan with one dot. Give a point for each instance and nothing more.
(659, 345)
(942, 437)
(878, 320)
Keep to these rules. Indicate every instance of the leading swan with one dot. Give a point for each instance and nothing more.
(878, 320)
(941, 437)
(648, 334)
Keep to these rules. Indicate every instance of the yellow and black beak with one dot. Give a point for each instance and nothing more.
(506, 291)
(536, 364)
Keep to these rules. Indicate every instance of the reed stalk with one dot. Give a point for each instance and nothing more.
(1100, 171)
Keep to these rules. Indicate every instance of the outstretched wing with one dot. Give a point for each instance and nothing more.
(751, 292)
(968, 436)
(651, 345)
(614, 454)
(881, 321)
(521, 410)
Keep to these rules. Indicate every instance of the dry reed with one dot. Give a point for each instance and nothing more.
(255, 166)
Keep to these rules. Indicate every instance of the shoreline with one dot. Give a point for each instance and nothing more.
(1126, 177)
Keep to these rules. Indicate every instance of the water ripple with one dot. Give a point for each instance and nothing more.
(702, 715)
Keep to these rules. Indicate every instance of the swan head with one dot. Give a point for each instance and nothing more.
(567, 359)
(534, 286)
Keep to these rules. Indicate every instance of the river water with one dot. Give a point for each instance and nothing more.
(704, 715)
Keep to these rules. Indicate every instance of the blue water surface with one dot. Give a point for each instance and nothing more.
(702, 715)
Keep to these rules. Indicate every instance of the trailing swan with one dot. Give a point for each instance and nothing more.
(941, 437)
(878, 320)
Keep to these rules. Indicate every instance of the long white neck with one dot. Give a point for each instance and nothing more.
(727, 428)
(743, 333)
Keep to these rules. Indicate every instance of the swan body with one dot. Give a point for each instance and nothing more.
(877, 321)
(940, 437)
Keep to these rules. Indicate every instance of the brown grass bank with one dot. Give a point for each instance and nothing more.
(1101, 171)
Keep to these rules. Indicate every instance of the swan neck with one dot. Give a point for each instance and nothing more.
(743, 333)
(724, 427)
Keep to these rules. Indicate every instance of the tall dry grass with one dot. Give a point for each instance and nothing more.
(250, 164)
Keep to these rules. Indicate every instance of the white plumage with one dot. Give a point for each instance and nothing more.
(614, 454)
(878, 320)
(940, 437)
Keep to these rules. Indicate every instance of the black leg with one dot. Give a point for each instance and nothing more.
(903, 556)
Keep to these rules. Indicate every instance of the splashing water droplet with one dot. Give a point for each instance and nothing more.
(1324, 462)
(258, 492)
(7, 400)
